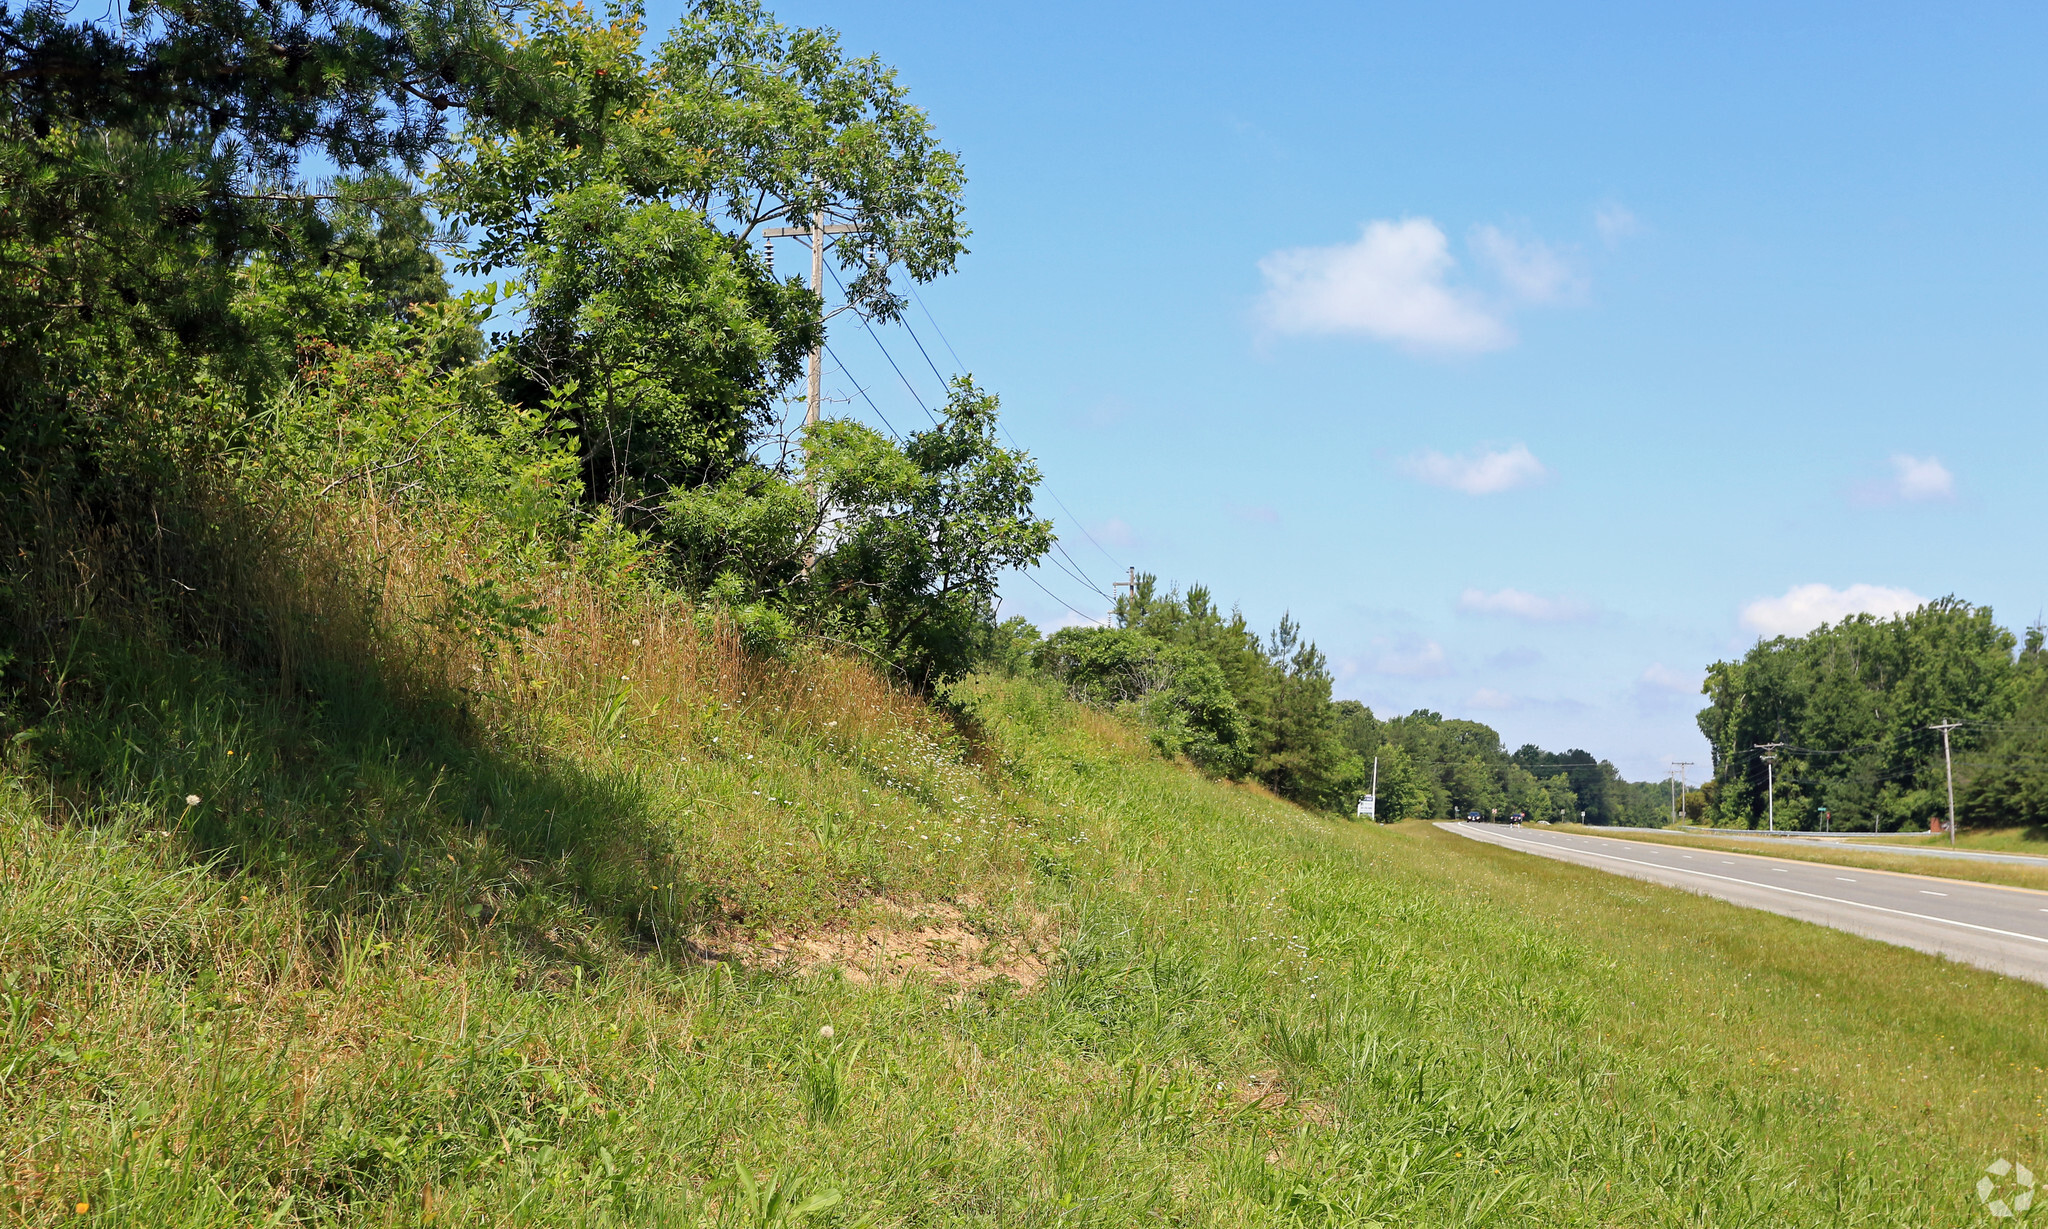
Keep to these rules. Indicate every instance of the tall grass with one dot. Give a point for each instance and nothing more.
(432, 948)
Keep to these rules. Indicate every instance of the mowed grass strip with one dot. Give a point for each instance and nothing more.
(1257, 1017)
(1971, 870)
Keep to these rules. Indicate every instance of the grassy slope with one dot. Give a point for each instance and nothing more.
(435, 972)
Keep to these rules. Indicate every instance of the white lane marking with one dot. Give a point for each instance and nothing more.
(1781, 870)
(1835, 900)
(1925, 892)
(1843, 879)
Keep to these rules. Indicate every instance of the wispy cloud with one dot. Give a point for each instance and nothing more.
(1532, 271)
(1516, 604)
(1664, 678)
(1806, 607)
(1487, 697)
(1392, 285)
(1416, 660)
(1921, 478)
(1070, 619)
(1911, 480)
(1518, 657)
(1479, 473)
(1114, 532)
(1615, 223)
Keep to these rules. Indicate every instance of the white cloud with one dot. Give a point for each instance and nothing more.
(1664, 678)
(1921, 478)
(1115, 532)
(1071, 619)
(1389, 285)
(1615, 223)
(1487, 697)
(1519, 605)
(1806, 607)
(1482, 473)
(1532, 271)
(1426, 660)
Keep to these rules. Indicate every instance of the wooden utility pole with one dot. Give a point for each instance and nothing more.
(1949, 765)
(1131, 584)
(1682, 765)
(1770, 751)
(816, 233)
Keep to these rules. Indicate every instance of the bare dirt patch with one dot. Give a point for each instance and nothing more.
(1264, 1090)
(898, 941)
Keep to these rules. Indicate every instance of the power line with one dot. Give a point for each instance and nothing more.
(863, 393)
(1085, 582)
(866, 324)
(1057, 598)
(935, 326)
(1075, 571)
(1005, 426)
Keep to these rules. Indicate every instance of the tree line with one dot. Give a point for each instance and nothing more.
(1207, 686)
(227, 228)
(1849, 713)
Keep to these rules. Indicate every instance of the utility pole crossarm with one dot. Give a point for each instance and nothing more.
(816, 233)
(1131, 584)
(1770, 751)
(805, 232)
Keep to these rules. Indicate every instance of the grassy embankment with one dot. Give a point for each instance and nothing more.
(462, 937)
(1862, 856)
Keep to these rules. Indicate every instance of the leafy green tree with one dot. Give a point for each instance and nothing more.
(631, 209)
(661, 341)
(1302, 754)
(919, 537)
(1179, 691)
(1852, 702)
(145, 160)
(2003, 780)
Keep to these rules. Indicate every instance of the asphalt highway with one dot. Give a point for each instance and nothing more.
(1997, 928)
(1904, 851)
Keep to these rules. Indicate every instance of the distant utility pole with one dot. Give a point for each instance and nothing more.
(1949, 766)
(1770, 751)
(816, 233)
(1131, 584)
(1682, 766)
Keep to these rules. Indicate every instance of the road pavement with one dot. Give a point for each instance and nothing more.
(1837, 842)
(1997, 928)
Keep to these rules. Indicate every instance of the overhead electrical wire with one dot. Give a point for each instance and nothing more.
(844, 370)
(1075, 571)
(864, 323)
(1057, 598)
(1005, 426)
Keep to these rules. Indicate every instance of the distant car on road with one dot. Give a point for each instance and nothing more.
(1471, 817)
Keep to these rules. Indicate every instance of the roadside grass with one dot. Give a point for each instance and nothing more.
(1258, 1017)
(483, 930)
(1997, 840)
(1862, 857)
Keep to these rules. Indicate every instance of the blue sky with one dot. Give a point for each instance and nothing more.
(1534, 357)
